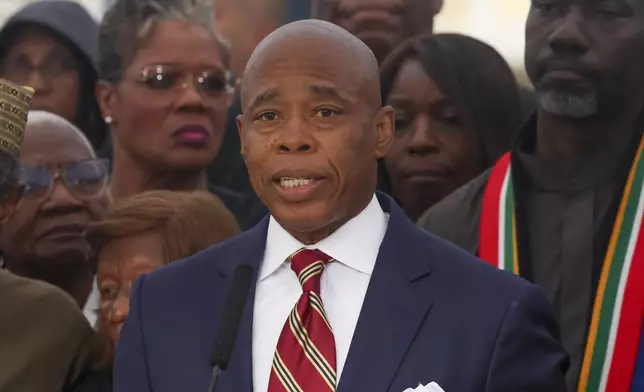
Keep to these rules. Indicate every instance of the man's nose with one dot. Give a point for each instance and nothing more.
(296, 137)
(568, 37)
(61, 198)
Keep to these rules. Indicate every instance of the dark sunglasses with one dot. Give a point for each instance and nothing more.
(85, 179)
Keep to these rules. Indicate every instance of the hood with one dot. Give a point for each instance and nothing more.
(67, 18)
(76, 27)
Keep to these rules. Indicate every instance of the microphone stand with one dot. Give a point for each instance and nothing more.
(216, 371)
(229, 324)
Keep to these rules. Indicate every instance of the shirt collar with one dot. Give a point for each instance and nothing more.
(355, 244)
(571, 174)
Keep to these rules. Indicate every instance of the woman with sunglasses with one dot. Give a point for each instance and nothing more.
(165, 90)
(63, 193)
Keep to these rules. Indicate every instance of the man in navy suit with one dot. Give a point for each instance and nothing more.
(349, 295)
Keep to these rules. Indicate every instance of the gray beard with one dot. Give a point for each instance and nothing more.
(568, 104)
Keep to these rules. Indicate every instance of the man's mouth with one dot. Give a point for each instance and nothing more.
(298, 189)
(287, 182)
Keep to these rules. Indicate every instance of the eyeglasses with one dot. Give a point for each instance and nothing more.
(86, 179)
(19, 68)
(215, 85)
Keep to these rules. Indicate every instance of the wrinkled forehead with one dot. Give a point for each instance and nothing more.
(304, 65)
(49, 144)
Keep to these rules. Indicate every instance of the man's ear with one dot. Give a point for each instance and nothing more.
(385, 127)
(240, 130)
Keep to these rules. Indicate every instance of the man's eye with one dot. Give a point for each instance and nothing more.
(543, 5)
(326, 112)
(401, 122)
(268, 116)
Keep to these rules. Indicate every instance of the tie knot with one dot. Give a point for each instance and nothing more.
(308, 265)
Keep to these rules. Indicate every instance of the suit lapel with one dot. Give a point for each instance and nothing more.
(249, 250)
(397, 301)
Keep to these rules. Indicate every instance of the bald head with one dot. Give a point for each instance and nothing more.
(312, 45)
(54, 129)
(52, 139)
(313, 126)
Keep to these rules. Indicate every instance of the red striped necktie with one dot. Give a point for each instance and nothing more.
(305, 357)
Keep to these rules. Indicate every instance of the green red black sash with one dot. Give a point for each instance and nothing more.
(616, 327)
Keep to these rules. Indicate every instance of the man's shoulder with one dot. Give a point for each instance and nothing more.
(457, 202)
(40, 312)
(37, 298)
(478, 283)
(456, 218)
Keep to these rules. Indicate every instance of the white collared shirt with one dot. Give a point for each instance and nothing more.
(344, 284)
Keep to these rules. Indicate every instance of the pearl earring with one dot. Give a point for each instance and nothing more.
(109, 120)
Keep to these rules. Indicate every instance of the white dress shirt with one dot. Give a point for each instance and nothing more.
(344, 284)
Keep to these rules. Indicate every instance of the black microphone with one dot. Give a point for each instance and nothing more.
(229, 324)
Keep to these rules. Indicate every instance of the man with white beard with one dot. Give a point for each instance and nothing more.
(563, 208)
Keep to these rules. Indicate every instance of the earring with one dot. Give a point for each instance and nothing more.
(109, 120)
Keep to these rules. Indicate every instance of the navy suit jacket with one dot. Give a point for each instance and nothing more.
(432, 312)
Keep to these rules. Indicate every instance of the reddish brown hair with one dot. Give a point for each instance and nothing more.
(187, 223)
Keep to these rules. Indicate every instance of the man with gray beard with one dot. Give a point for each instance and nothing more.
(564, 207)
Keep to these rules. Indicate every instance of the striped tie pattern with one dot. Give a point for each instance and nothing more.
(305, 357)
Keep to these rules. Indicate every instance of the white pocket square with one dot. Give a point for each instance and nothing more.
(431, 387)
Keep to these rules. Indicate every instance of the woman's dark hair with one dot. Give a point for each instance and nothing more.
(88, 114)
(128, 22)
(474, 77)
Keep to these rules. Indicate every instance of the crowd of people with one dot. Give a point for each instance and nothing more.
(411, 214)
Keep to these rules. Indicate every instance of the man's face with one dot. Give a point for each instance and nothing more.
(383, 24)
(55, 210)
(309, 137)
(585, 57)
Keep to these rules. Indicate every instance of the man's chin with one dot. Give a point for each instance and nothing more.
(72, 253)
(571, 104)
(305, 219)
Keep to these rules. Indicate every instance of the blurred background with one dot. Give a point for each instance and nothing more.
(488, 20)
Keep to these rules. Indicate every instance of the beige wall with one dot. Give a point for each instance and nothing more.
(500, 23)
